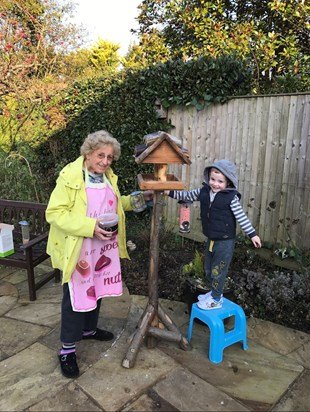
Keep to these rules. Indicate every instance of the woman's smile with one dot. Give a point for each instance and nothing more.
(100, 160)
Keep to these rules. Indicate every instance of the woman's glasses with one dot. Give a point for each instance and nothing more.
(102, 156)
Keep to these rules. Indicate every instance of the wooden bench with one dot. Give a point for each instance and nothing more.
(33, 253)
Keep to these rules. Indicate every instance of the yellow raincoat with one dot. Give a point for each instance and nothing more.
(66, 214)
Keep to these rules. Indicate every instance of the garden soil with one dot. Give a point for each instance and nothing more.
(176, 251)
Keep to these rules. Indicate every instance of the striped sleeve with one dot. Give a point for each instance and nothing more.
(187, 195)
(242, 218)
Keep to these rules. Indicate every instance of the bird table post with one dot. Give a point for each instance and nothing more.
(160, 151)
(160, 175)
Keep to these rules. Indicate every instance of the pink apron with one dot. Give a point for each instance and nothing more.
(98, 271)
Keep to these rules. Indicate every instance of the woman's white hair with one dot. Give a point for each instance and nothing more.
(98, 139)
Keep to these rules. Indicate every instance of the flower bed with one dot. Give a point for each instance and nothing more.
(263, 289)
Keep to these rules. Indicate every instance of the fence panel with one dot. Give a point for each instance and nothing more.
(268, 138)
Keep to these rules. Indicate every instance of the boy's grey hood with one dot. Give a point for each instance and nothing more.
(226, 167)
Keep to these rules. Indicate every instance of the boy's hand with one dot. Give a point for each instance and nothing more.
(256, 241)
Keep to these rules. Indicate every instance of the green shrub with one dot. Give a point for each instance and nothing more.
(18, 181)
(123, 104)
(282, 297)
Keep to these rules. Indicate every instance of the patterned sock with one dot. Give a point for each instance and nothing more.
(89, 332)
(67, 348)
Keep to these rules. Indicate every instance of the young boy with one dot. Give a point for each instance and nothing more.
(220, 208)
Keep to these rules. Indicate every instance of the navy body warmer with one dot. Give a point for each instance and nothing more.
(218, 221)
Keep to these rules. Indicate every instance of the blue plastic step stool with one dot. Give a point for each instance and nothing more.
(219, 339)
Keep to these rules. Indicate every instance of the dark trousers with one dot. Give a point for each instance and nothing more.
(73, 323)
(218, 256)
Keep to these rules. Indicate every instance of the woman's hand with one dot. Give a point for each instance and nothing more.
(148, 195)
(101, 234)
(256, 241)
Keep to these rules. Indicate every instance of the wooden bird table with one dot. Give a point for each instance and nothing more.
(154, 315)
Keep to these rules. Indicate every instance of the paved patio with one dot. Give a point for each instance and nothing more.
(272, 375)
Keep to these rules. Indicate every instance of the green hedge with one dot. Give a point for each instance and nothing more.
(124, 104)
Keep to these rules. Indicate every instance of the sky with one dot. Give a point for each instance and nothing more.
(109, 19)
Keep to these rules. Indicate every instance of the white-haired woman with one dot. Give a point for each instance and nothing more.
(88, 254)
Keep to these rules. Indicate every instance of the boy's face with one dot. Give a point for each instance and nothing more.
(217, 181)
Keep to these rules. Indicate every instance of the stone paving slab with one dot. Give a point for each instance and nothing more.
(296, 398)
(19, 278)
(302, 356)
(177, 311)
(51, 292)
(16, 276)
(70, 398)
(113, 386)
(275, 337)
(187, 392)
(17, 335)
(20, 275)
(242, 372)
(8, 296)
(122, 385)
(6, 271)
(162, 379)
(149, 402)
(7, 289)
(7, 303)
(137, 307)
(116, 307)
(47, 314)
(28, 377)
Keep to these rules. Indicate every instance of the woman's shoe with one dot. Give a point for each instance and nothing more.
(69, 367)
(100, 334)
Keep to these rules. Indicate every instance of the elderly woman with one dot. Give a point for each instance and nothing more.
(86, 240)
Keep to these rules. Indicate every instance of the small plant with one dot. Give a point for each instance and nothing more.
(195, 272)
(293, 253)
(195, 267)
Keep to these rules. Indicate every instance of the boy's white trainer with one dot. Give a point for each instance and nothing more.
(205, 296)
(210, 303)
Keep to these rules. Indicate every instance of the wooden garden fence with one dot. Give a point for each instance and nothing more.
(268, 138)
